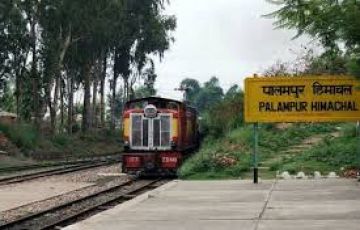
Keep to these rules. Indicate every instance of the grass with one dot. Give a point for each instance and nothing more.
(230, 156)
(333, 154)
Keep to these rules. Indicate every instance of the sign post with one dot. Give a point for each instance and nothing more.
(358, 145)
(255, 153)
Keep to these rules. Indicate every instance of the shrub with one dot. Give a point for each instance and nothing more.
(224, 116)
(349, 130)
(24, 136)
(61, 140)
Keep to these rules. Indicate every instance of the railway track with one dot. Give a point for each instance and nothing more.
(81, 208)
(53, 172)
(60, 163)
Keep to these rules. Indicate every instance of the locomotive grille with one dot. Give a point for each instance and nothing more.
(150, 133)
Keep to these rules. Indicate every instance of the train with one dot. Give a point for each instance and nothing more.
(158, 134)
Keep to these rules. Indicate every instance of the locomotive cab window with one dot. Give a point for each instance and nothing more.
(165, 130)
(136, 130)
(151, 133)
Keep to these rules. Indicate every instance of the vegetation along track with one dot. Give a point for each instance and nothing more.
(81, 208)
(57, 171)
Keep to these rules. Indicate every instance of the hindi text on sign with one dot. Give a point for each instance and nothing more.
(303, 99)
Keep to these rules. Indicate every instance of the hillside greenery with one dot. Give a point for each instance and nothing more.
(230, 156)
(27, 141)
(333, 154)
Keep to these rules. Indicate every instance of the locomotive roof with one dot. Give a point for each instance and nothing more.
(161, 99)
(155, 98)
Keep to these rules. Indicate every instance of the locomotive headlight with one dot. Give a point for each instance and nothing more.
(150, 111)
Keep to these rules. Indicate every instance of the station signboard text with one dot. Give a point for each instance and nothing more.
(302, 99)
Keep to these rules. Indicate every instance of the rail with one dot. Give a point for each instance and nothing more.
(75, 210)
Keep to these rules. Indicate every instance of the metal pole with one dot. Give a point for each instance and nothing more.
(358, 145)
(255, 157)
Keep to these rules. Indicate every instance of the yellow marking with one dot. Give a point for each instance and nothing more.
(302, 99)
(126, 127)
(174, 129)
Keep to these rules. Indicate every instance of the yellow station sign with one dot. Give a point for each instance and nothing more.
(302, 99)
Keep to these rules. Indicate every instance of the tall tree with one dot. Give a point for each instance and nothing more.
(333, 22)
(191, 88)
(54, 48)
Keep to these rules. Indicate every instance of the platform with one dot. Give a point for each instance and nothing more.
(205, 205)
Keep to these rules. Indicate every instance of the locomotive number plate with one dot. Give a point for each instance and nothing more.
(169, 159)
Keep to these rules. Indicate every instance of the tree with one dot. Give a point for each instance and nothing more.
(209, 95)
(309, 63)
(52, 49)
(332, 22)
(143, 31)
(232, 92)
(224, 116)
(15, 47)
(203, 98)
(7, 99)
(191, 88)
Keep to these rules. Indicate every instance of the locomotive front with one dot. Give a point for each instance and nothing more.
(154, 137)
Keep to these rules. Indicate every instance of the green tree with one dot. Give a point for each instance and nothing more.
(202, 97)
(232, 92)
(210, 94)
(225, 115)
(191, 87)
(144, 31)
(7, 99)
(332, 22)
(52, 49)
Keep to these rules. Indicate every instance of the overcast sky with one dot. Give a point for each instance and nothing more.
(225, 38)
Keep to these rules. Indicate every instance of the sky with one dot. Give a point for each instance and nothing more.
(228, 39)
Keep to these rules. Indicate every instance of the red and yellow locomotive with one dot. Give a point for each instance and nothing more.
(158, 134)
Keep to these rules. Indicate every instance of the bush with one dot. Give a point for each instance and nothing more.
(224, 116)
(349, 130)
(24, 136)
(61, 140)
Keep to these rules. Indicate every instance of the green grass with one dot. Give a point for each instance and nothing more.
(237, 146)
(331, 155)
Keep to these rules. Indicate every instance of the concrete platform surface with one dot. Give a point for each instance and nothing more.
(330, 204)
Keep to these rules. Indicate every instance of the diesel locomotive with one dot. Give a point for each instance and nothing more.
(158, 135)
